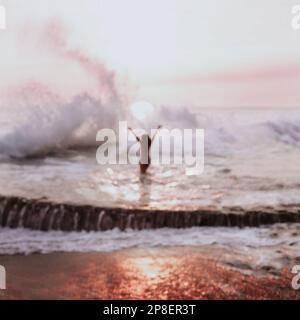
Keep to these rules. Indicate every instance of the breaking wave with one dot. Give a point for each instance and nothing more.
(41, 123)
(48, 124)
(22, 241)
(34, 120)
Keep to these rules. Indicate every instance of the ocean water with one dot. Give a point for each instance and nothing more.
(250, 250)
(251, 158)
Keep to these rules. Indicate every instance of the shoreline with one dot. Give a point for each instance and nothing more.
(45, 215)
(157, 273)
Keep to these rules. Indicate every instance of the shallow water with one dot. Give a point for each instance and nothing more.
(251, 158)
(243, 180)
(249, 249)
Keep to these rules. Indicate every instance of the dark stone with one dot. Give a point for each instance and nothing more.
(42, 215)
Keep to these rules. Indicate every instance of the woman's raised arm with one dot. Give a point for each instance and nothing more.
(137, 138)
(156, 132)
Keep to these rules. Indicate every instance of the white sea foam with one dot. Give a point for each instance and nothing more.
(37, 126)
(23, 241)
(45, 126)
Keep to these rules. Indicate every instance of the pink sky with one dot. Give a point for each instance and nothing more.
(186, 52)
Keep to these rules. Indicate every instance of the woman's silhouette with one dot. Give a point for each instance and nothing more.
(145, 142)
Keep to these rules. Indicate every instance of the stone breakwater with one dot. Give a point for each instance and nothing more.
(16, 212)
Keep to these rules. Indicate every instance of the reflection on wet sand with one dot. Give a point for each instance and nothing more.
(160, 273)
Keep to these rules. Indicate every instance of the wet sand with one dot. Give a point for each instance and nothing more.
(157, 273)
